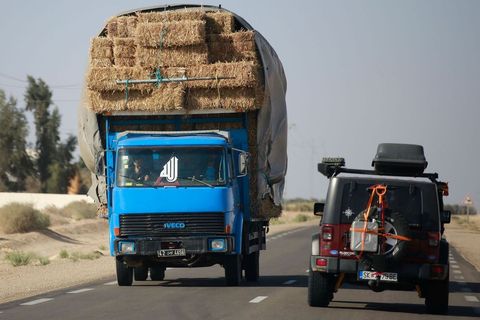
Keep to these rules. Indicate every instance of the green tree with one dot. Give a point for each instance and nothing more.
(53, 164)
(15, 164)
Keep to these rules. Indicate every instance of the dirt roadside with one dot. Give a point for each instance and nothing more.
(84, 237)
(466, 241)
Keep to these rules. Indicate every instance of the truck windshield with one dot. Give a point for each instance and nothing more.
(173, 166)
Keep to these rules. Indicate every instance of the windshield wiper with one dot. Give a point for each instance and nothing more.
(197, 180)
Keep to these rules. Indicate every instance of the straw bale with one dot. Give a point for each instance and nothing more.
(101, 63)
(124, 48)
(171, 15)
(176, 33)
(103, 79)
(121, 27)
(240, 99)
(125, 62)
(236, 46)
(172, 57)
(101, 48)
(166, 97)
(219, 22)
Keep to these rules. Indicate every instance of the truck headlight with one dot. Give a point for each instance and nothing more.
(218, 245)
(126, 247)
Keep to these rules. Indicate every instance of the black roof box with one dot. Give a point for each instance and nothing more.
(399, 158)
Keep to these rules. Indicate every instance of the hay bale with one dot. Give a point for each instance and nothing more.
(125, 62)
(104, 79)
(101, 48)
(172, 57)
(169, 96)
(244, 74)
(239, 99)
(175, 33)
(122, 27)
(124, 48)
(219, 22)
(101, 63)
(171, 15)
(237, 46)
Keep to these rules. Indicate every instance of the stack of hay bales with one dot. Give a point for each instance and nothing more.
(175, 44)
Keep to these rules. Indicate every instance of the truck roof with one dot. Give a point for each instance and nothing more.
(143, 140)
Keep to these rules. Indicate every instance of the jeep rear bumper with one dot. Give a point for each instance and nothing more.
(406, 272)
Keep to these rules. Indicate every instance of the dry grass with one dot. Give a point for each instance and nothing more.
(20, 217)
(237, 46)
(172, 57)
(184, 14)
(473, 222)
(219, 22)
(79, 210)
(171, 34)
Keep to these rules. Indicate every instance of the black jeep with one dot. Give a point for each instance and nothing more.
(382, 228)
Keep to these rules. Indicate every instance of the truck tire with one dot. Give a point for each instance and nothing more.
(252, 266)
(320, 288)
(157, 273)
(233, 269)
(140, 273)
(436, 297)
(124, 273)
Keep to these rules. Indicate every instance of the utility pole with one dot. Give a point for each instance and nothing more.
(468, 202)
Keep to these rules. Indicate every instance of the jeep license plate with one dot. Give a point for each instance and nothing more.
(171, 253)
(373, 275)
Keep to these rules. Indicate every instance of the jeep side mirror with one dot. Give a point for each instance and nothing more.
(318, 208)
(445, 216)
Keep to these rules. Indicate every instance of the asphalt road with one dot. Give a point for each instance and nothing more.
(280, 294)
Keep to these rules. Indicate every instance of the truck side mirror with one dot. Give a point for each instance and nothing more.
(242, 164)
(445, 216)
(318, 208)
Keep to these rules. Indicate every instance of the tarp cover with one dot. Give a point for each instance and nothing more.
(271, 130)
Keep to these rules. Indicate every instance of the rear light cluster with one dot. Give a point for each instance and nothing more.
(433, 239)
(327, 233)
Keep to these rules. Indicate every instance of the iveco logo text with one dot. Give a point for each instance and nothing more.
(174, 225)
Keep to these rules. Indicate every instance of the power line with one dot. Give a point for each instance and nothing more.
(56, 86)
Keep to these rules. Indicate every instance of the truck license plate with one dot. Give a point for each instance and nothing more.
(373, 275)
(171, 253)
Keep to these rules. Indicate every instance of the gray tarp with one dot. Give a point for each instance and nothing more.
(271, 131)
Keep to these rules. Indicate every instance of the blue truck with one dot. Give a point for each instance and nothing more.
(189, 188)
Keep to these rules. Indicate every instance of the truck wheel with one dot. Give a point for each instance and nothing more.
(157, 273)
(233, 269)
(320, 288)
(140, 273)
(436, 297)
(124, 273)
(252, 266)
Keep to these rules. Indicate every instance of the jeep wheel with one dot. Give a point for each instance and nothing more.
(157, 273)
(320, 288)
(140, 273)
(252, 266)
(124, 273)
(396, 224)
(436, 297)
(233, 269)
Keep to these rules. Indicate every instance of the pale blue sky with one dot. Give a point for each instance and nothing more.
(359, 73)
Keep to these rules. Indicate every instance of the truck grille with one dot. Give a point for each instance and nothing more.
(168, 224)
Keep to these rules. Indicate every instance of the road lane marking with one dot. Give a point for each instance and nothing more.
(455, 266)
(457, 271)
(459, 278)
(290, 282)
(111, 283)
(81, 290)
(34, 302)
(307, 270)
(258, 299)
(471, 299)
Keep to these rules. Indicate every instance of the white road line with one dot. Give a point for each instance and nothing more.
(111, 283)
(465, 289)
(81, 290)
(457, 271)
(455, 266)
(471, 299)
(307, 270)
(34, 302)
(459, 278)
(258, 299)
(290, 282)
(453, 261)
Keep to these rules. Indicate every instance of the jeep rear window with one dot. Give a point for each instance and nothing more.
(404, 199)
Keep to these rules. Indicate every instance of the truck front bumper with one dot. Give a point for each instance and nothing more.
(194, 245)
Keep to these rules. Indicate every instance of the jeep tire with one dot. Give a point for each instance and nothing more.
(124, 273)
(320, 288)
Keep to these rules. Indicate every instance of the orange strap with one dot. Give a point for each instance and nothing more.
(385, 235)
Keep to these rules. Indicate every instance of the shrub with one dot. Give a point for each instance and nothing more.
(79, 210)
(275, 221)
(75, 256)
(300, 218)
(64, 254)
(19, 217)
(43, 261)
(19, 258)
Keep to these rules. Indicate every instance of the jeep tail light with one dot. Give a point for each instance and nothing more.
(433, 239)
(327, 233)
(320, 262)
